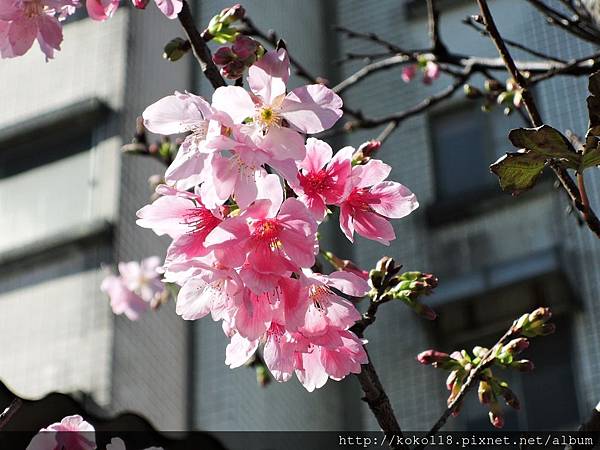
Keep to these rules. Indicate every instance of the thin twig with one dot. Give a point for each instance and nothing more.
(199, 47)
(473, 23)
(471, 380)
(412, 111)
(370, 69)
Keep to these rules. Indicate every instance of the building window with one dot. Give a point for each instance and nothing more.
(465, 142)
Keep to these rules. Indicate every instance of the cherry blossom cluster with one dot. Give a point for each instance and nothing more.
(244, 197)
(72, 433)
(137, 289)
(24, 21)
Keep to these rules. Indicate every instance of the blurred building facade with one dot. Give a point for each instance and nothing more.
(68, 208)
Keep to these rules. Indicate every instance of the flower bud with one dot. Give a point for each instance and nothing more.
(471, 91)
(223, 56)
(492, 85)
(262, 375)
(451, 380)
(542, 314)
(369, 147)
(244, 46)
(432, 356)
(140, 4)
(523, 365)
(431, 72)
(232, 14)
(425, 311)
(233, 70)
(516, 346)
(176, 48)
(496, 418)
(384, 264)
(376, 279)
(409, 72)
(511, 399)
(484, 392)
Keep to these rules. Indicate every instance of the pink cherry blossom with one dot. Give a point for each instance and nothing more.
(269, 239)
(334, 356)
(207, 288)
(369, 200)
(24, 21)
(101, 9)
(183, 216)
(105, 9)
(137, 288)
(409, 72)
(71, 433)
(431, 72)
(183, 113)
(317, 307)
(322, 179)
(307, 109)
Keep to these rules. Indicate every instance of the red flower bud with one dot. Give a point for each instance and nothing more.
(244, 46)
(140, 4)
(223, 56)
(432, 356)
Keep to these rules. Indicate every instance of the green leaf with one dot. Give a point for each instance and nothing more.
(544, 141)
(590, 159)
(518, 171)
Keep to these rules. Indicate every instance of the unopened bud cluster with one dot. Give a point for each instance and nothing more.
(389, 284)
(509, 95)
(236, 59)
(492, 390)
(220, 26)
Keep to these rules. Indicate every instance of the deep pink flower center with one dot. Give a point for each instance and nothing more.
(319, 296)
(200, 221)
(316, 182)
(267, 229)
(359, 199)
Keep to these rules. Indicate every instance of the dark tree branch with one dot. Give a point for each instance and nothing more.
(561, 173)
(379, 403)
(375, 394)
(199, 47)
(591, 425)
(433, 21)
(10, 411)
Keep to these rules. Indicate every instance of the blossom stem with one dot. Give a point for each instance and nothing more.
(199, 47)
